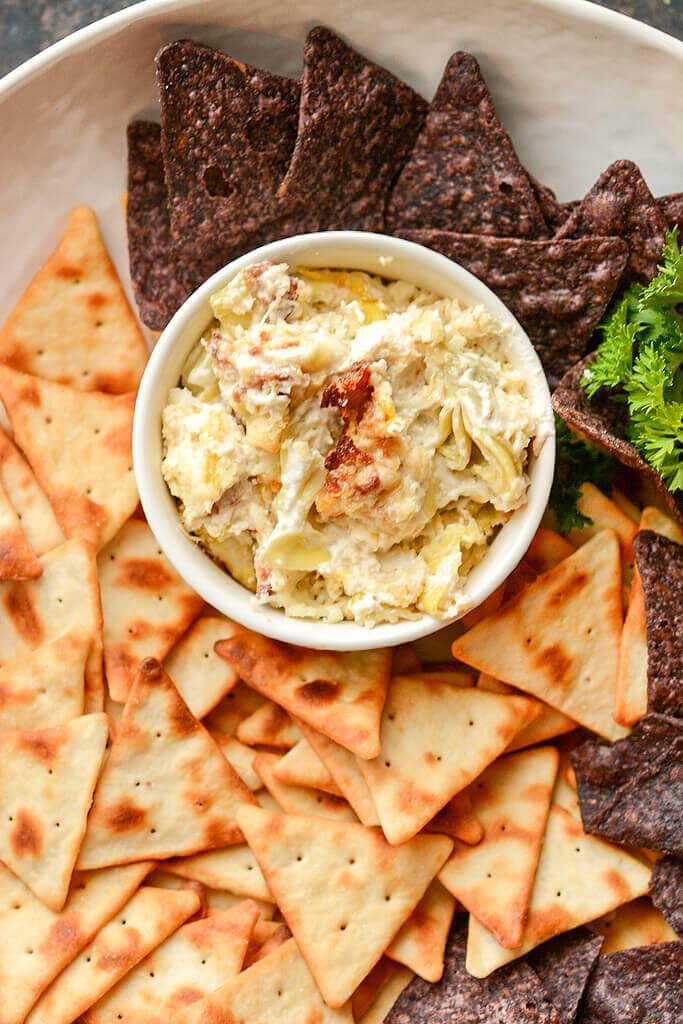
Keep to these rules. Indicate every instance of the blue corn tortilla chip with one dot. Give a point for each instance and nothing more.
(636, 986)
(631, 791)
(463, 173)
(357, 125)
(620, 203)
(557, 290)
(660, 566)
(563, 966)
(672, 210)
(554, 213)
(666, 890)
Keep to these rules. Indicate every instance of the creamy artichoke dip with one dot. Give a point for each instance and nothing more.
(347, 446)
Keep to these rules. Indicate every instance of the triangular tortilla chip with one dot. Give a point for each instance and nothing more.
(166, 789)
(79, 447)
(563, 966)
(47, 779)
(149, 917)
(340, 694)
(635, 986)
(46, 686)
(635, 924)
(198, 959)
(630, 695)
(300, 799)
(494, 879)
(240, 757)
(146, 606)
(421, 942)
(436, 738)
(558, 639)
(236, 706)
(233, 869)
(458, 820)
(17, 561)
(53, 939)
(666, 886)
(66, 596)
(301, 766)
(343, 767)
(28, 500)
(578, 878)
(201, 677)
(269, 726)
(73, 324)
(660, 565)
(343, 891)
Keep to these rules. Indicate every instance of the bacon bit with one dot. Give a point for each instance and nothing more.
(350, 474)
(350, 392)
(252, 275)
(263, 587)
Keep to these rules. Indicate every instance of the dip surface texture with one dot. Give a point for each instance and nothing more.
(347, 446)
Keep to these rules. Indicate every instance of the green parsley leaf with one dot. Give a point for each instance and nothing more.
(576, 462)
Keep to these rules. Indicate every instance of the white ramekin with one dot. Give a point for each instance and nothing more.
(377, 254)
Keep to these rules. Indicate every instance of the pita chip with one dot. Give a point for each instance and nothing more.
(630, 695)
(404, 660)
(300, 799)
(343, 891)
(435, 739)
(17, 560)
(146, 606)
(165, 790)
(79, 447)
(340, 694)
(548, 723)
(635, 924)
(654, 519)
(494, 879)
(73, 324)
(238, 704)
(558, 639)
(279, 987)
(387, 995)
(458, 820)
(234, 869)
(343, 767)
(547, 550)
(45, 687)
(269, 726)
(605, 515)
(421, 942)
(47, 779)
(277, 938)
(149, 917)
(240, 757)
(38, 523)
(578, 878)
(54, 939)
(65, 597)
(216, 899)
(195, 961)
(201, 677)
(301, 766)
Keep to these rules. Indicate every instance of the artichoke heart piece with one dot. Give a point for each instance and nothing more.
(372, 308)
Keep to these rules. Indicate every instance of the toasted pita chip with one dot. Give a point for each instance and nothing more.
(73, 324)
(387, 995)
(17, 561)
(201, 677)
(370, 987)
(547, 550)
(54, 939)
(240, 757)
(238, 704)
(404, 660)
(659, 522)
(632, 791)
(278, 938)
(666, 890)
(546, 726)
(45, 687)
(458, 820)
(635, 924)
(47, 779)
(279, 987)
(35, 512)
(300, 799)
(494, 879)
(636, 985)
(67, 596)
(301, 766)
(343, 891)
(421, 942)
(343, 767)
(628, 507)
(166, 790)
(269, 726)
(488, 605)
(559, 638)
(435, 739)
(79, 447)
(563, 966)
(604, 515)
(630, 695)
(578, 878)
(148, 918)
(216, 899)
(233, 869)
(341, 695)
(145, 604)
(199, 958)
(660, 566)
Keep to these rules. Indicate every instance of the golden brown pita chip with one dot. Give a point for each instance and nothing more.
(73, 324)
(578, 878)
(387, 996)
(300, 799)
(343, 891)
(240, 757)
(280, 935)
(47, 779)
(635, 924)
(343, 767)
(233, 869)
(494, 879)
(404, 660)
(301, 766)
(17, 561)
(198, 959)
(547, 549)
(630, 695)
(217, 900)
(79, 447)
(654, 519)
(53, 939)
(238, 704)
(165, 790)
(269, 726)
(201, 677)
(458, 820)
(148, 918)
(558, 639)
(435, 739)
(45, 687)
(546, 726)
(421, 942)
(146, 606)
(340, 695)
(35, 512)
(605, 515)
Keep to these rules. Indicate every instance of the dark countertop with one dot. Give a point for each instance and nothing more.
(27, 26)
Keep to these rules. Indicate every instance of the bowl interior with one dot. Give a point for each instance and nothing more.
(377, 254)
